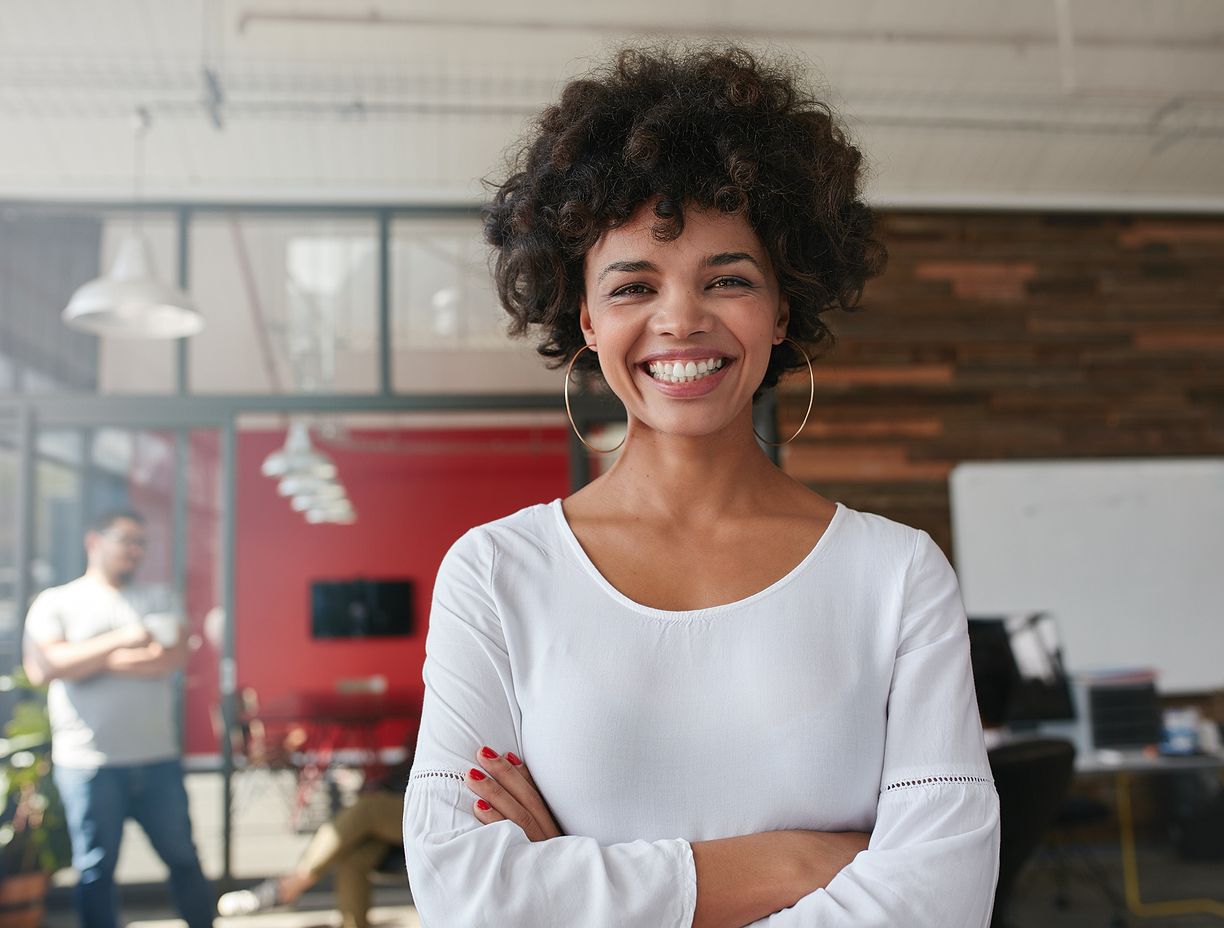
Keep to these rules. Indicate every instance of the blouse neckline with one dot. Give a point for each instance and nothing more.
(580, 553)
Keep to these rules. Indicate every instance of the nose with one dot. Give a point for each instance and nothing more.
(682, 313)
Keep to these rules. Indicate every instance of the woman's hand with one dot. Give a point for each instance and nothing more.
(507, 791)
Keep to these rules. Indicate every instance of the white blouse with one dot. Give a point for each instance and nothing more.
(839, 698)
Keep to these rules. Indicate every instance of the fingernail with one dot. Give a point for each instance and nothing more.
(514, 760)
(489, 753)
(482, 805)
(476, 774)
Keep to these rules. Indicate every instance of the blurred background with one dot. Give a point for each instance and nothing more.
(302, 182)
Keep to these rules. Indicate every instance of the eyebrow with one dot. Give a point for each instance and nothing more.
(718, 260)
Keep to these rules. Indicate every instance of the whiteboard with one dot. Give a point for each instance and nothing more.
(1126, 554)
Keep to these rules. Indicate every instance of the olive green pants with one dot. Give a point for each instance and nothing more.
(353, 844)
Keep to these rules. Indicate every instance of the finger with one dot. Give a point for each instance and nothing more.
(526, 774)
(522, 768)
(485, 813)
(487, 788)
(511, 778)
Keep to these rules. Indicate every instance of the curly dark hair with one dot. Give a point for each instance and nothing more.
(710, 128)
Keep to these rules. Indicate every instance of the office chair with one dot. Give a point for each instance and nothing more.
(1032, 778)
(1067, 851)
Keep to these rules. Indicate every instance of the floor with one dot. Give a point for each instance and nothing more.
(264, 844)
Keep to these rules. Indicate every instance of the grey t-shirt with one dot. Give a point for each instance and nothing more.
(108, 719)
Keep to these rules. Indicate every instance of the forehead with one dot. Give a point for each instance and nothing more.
(126, 527)
(706, 232)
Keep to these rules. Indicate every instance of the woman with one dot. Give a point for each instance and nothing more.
(694, 692)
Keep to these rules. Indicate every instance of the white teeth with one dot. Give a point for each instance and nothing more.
(683, 371)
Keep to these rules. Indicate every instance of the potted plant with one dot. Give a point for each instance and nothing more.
(34, 839)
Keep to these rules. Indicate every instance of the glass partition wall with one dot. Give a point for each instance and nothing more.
(377, 328)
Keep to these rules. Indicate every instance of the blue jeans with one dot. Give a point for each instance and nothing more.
(96, 804)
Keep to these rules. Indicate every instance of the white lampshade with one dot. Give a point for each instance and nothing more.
(332, 500)
(338, 511)
(130, 302)
(297, 484)
(298, 457)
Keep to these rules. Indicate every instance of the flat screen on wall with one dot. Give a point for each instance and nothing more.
(361, 608)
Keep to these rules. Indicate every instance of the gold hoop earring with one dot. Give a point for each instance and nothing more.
(811, 399)
(565, 392)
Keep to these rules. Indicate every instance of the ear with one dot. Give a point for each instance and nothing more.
(584, 321)
(783, 320)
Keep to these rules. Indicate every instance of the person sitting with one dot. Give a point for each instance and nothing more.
(353, 843)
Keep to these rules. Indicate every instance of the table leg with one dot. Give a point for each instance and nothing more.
(1130, 867)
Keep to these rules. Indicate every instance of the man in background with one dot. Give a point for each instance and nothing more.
(109, 650)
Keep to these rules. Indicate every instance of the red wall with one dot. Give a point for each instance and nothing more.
(410, 508)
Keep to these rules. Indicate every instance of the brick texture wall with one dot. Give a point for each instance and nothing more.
(1015, 336)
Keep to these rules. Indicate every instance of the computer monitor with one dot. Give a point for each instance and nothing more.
(361, 608)
(1018, 670)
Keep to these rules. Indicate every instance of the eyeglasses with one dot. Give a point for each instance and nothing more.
(128, 541)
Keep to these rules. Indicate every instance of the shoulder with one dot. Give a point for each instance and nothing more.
(477, 552)
(55, 597)
(886, 542)
(45, 618)
(909, 562)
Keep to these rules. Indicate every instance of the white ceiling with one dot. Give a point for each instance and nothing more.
(955, 102)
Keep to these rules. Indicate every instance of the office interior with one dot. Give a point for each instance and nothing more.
(1050, 184)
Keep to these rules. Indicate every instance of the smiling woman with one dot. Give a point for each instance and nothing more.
(695, 692)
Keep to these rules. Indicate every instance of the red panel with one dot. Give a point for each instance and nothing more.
(410, 508)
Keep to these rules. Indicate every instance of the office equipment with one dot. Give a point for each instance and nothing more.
(361, 608)
(1018, 670)
(1125, 554)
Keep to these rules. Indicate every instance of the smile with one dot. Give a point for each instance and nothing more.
(683, 371)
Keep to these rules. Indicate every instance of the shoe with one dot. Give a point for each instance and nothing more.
(259, 898)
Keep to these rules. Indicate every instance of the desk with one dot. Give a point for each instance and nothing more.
(1124, 766)
(333, 722)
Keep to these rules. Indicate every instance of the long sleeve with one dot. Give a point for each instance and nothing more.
(467, 875)
(934, 851)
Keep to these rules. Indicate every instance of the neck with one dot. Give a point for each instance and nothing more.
(95, 573)
(691, 479)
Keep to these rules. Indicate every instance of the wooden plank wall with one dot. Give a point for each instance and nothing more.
(1014, 336)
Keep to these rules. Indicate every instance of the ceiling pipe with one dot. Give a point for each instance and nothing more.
(1021, 40)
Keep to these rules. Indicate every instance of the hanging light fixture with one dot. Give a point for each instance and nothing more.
(340, 512)
(298, 457)
(307, 485)
(129, 301)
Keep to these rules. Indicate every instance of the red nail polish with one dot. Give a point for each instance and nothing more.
(514, 760)
(482, 805)
(476, 774)
(489, 753)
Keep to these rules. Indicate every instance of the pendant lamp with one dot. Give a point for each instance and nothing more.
(129, 301)
(298, 456)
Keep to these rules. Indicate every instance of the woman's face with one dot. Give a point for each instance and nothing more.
(684, 328)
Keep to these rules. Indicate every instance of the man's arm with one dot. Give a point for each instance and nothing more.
(150, 660)
(45, 661)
